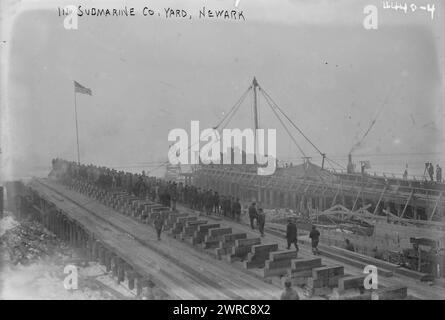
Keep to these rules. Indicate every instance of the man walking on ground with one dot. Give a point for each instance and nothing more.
(159, 223)
(261, 221)
(291, 234)
(209, 202)
(173, 196)
(236, 209)
(315, 237)
(252, 214)
(349, 245)
(216, 203)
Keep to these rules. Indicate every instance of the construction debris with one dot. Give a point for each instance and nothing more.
(28, 241)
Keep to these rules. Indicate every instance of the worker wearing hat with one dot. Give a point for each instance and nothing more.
(289, 293)
(253, 214)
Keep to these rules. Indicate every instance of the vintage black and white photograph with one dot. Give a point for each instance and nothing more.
(222, 150)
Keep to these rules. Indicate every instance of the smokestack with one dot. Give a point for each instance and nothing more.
(350, 166)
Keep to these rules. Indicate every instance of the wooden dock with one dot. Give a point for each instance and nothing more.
(181, 271)
(203, 257)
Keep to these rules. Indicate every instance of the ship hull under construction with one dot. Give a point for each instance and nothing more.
(395, 210)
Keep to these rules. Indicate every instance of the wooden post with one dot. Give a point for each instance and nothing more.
(407, 202)
(435, 207)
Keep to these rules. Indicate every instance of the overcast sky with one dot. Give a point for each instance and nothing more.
(150, 75)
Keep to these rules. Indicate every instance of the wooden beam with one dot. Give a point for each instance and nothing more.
(336, 194)
(407, 202)
(380, 199)
(435, 207)
(356, 199)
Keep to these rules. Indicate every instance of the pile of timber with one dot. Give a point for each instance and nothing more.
(358, 260)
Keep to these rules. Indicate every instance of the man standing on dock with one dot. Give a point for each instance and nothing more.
(252, 214)
(236, 209)
(349, 245)
(261, 219)
(315, 237)
(216, 203)
(291, 234)
(158, 223)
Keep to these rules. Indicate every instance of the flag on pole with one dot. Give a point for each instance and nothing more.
(81, 89)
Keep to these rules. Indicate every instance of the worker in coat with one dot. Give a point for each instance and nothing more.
(315, 238)
(159, 224)
(291, 234)
(253, 214)
(261, 221)
(236, 209)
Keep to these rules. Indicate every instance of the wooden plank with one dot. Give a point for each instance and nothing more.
(242, 248)
(398, 292)
(305, 264)
(327, 272)
(283, 255)
(351, 282)
(219, 232)
(407, 203)
(247, 242)
(259, 254)
(234, 236)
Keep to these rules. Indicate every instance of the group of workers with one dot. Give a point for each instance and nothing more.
(169, 192)
(429, 169)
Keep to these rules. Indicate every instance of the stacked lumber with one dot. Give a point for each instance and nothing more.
(355, 259)
(227, 243)
(241, 248)
(323, 279)
(391, 293)
(178, 226)
(279, 263)
(171, 220)
(189, 229)
(202, 232)
(215, 236)
(259, 254)
(351, 282)
(301, 269)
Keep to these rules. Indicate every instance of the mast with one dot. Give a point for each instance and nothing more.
(255, 113)
(255, 103)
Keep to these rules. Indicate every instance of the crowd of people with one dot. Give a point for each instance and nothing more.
(167, 193)
(429, 169)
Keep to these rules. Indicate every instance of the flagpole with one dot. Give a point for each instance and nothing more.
(77, 129)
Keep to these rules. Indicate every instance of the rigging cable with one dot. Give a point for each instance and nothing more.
(290, 120)
(282, 123)
(234, 107)
(299, 130)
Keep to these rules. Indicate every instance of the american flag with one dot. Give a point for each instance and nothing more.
(81, 89)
